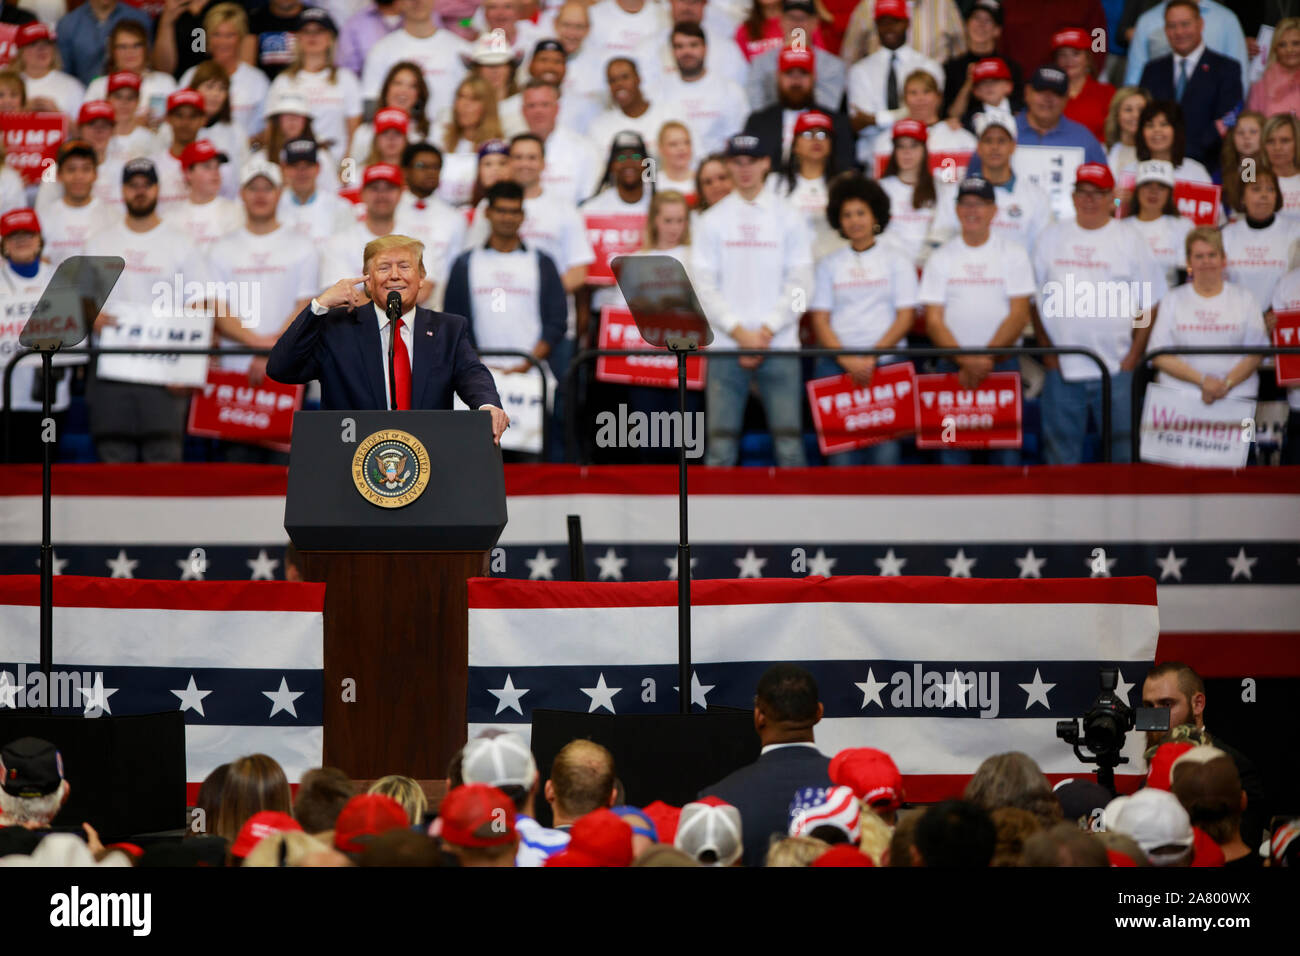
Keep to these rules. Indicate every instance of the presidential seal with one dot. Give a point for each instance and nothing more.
(391, 468)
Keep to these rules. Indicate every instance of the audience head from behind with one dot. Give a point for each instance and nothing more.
(322, 794)
(253, 784)
(34, 789)
(795, 851)
(203, 815)
(1206, 782)
(709, 832)
(1064, 845)
(1014, 780)
(787, 705)
(582, 780)
(1014, 828)
(955, 833)
(503, 761)
(903, 840)
(1158, 824)
(406, 792)
(830, 814)
(873, 777)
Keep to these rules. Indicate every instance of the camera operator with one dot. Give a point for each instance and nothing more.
(1176, 686)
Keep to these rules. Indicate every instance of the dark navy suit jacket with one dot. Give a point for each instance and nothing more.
(1213, 90)
(343, 349)
(763, 791)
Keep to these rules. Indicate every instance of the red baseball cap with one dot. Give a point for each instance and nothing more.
(910, 127)
(892, 8)
(1095, 174)
(475, 815)
(843, 854)
(665, 819)
(367, 815)
(601, 838)
(33, 32)
(1073, 38)
(1161, 770)
(391, 118)
(200, 151)
(813, 119)
(19, 220)
(871, 774)
(185, 98)
(123, 80)
(796, 60)
(92, 110)
(382, 172)
(991, 68)
(260, 826)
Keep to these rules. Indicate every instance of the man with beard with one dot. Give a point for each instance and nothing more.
(707, 103)
(130, 421)
(1175, 685)
(774, 125)
(723, 57)
(631, 110)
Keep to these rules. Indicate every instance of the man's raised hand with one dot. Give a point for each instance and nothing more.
(345, 292)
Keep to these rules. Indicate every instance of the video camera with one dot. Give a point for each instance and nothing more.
(1106, 723)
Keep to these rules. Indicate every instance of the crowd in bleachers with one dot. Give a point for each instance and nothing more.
(831, 174)
(792, 807)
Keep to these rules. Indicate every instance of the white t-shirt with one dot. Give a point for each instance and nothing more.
(331, 104)
(172, 191)
(1166, 239)
(272, 271)
(66, 91)
(909, 227)
(610, 123)
(66, 229)
(573, 167)
(1286, 298)
(13, 192)
(863, 291)
(442, 230)
(437, 56)
(712, 107)
(318, 219)
(516, 276)
(1258, 258)
(975, 285)
(1290, 186)
(138, 142)
(614, 32)
(205, 224)
(1023, 211)
(810, 197)
(248, 90)
(1233, 317)
(18, 298)
(458, 176)
(1092, 284)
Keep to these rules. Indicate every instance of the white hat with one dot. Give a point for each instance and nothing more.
(986, 118)
(501, 761)
(1155, 171)
(491, 49)
(1154, 819)
(711, 827)
(285, 101)
(259, 166)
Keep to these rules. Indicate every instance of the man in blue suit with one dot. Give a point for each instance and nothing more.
(786, 707)
(342, 339)
(1207, 85)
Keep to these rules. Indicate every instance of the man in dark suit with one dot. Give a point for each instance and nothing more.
(1207, 85)
(342, 339)
(794, 91)
(786, 707)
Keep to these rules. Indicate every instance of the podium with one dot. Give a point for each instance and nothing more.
(394, 512)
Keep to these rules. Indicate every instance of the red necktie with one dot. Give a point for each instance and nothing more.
(401, 369)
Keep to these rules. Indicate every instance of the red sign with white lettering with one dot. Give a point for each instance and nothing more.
(8, 33)
(231, 408)
(1198, 202)
(32, 141)
(987, 416)
(847, 415)
(618, 331)
(611, 234)
(1287, 333)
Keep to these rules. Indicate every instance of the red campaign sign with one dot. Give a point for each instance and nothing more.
(8, 33)
(848, 416)
(618, 331)
(31, 139)
(987, 416)
(1198, 202)
(230, 408)
(1287, 333)
(612, 234)
(957, 162)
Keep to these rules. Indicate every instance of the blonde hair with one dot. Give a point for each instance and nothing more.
(1290, 23)
(224, 13)
(404, 790)
(795, 851)
(387, 244)
(673, 124)
(489, 124)
(1207, 234)
(11, 78)
(876, 834)
(925, 78)
(657, 202)
(1111, 130)
(1276, 121)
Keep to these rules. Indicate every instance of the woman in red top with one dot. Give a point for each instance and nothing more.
(1089, 102)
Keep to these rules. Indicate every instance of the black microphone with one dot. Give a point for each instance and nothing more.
(394, 309)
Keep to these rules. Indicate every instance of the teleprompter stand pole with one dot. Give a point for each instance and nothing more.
(680, 347)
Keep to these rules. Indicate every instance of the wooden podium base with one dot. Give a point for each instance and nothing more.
(396, 658)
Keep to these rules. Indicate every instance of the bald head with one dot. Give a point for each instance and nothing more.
(582, 780)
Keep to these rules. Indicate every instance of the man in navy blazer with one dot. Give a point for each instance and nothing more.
(341, 338)
(1209, 83)
(786, 707)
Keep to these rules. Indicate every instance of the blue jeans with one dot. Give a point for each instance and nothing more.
(987, 456)
(1067, 407)
(780, 386)
(884, 453)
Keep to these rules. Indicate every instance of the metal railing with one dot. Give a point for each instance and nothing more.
(91, 351)
(903, 353)
(1145, 372)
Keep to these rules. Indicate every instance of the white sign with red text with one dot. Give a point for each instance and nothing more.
(1178, 428)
